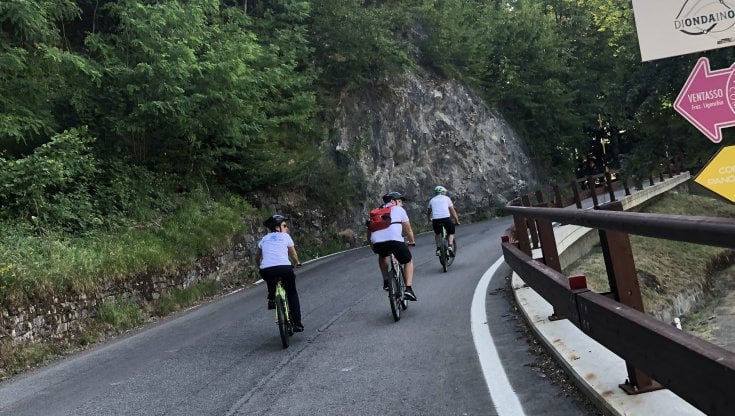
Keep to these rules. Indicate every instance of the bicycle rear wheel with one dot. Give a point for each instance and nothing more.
(282, 319)
(450, 259)
(395, 295)
(444, 255)
(402, 286)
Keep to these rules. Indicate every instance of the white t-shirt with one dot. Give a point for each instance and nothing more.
(394, 232)
(275, 249)
(440, 207)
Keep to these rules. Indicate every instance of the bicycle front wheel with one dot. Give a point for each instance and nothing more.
(282, 318)
(395, 295)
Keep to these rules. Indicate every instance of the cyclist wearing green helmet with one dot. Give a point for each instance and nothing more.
(440, 212)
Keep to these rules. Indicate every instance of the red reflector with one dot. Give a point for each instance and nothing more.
(505, 239)
(577, 282)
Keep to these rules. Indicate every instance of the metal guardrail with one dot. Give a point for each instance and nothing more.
(656, 354)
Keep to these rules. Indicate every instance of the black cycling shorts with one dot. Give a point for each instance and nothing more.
(397, 248)
(446, 222)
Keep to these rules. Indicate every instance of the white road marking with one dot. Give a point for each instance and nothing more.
(502, 394)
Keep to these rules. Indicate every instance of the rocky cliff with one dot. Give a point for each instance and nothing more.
(415, 133)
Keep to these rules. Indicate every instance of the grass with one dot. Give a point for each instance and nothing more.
(50, 265)
(665, 268)
(178, 299)
(121, 314)
(16, 358)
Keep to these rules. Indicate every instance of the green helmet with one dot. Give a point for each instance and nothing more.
(440, 190)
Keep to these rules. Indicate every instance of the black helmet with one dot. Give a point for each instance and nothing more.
(390, 196)
(273, 222)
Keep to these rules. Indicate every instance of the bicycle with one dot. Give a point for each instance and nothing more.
(444, 258)
(283, 318)
(396, 288)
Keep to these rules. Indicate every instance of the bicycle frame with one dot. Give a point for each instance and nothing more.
(283, 316)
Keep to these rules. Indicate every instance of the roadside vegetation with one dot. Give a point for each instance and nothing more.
(41, 265)
(666, 268)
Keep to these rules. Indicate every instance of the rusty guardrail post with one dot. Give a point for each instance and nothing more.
(521, 234)
(549, 251)
(531, 226)
(575, 191)
(626, 186)
(539, 196)
(624, 285)
(558, 201)
(593, 192)
(610, 188)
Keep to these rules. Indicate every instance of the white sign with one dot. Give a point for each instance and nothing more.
(677, 27)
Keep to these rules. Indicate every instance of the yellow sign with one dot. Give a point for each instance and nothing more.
(719, 174)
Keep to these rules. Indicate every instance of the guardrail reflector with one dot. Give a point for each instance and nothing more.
(577, 282)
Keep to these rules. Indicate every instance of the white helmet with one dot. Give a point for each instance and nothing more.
(440, 190)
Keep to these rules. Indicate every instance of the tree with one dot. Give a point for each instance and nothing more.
(190, 88)
(32, 69)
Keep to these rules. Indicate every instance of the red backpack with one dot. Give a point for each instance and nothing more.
(379, 219)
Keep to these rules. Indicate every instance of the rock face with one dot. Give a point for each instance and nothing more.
(418, 132)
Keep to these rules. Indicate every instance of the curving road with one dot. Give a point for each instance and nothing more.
(225, 358)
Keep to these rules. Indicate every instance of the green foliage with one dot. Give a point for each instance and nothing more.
(178, 299)
(332, 186)
(190, 89)
(36, 266)
(121, 314)
(51, 186)
(15, 358)
(357, 41)
(32, 70)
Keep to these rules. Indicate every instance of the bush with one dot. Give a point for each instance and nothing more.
(51, 186)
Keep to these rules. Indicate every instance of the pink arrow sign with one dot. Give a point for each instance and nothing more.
(708, 99)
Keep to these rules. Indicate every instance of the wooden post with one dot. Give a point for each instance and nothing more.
(550, 253)
(624, 285)
(610, 189)
(531, 224)
(577, 199)
(593, 192)
(558, 201)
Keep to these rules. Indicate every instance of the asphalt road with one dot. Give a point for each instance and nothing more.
(225, 357)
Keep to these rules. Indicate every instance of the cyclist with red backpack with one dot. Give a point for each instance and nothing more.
(385, 230)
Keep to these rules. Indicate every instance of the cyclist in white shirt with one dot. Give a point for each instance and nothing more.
(390, 241)
(440, 212)
(272, 259)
